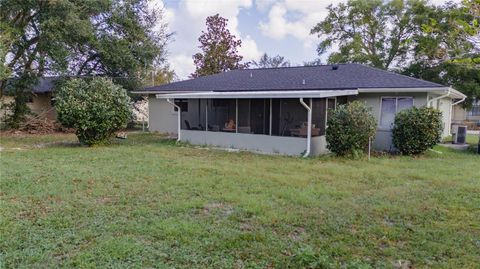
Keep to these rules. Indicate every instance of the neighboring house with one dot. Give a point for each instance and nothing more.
(463, 116)
(40, 103)
(272, 110)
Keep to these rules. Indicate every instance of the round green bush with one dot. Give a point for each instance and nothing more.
(96, 108)
(417, 129)
(349, 128)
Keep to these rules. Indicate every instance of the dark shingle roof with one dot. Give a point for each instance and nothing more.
(44, 84)
(322, 77)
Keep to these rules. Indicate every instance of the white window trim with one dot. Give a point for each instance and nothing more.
(383, 127)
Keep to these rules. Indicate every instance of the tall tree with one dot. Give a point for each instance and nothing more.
(158, 75)
(219, 49)
(436, 43)
(376, 32)
(81, 38)
(271, 62)
(448, 48)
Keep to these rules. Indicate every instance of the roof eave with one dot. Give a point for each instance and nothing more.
(259, 94)
(440, 89)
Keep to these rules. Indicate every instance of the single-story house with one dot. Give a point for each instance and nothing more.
(470, 116)
(285, 110)
(40, 101)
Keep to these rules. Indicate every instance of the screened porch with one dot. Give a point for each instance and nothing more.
(260, 116)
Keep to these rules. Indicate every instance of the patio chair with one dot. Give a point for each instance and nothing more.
(187, 123)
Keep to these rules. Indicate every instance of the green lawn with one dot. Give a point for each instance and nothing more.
(146, 202)
(471, 139)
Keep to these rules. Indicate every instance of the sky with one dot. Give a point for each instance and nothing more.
(265, 26)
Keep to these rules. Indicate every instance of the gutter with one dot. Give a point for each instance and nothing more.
(430, 102)
(454, 104)
(179, 111)
(309, 127)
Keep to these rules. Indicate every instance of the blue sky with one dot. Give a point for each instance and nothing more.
(272, 26)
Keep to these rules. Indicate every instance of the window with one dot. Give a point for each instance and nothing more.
(182, 103)
(475, 111)
(391, 106)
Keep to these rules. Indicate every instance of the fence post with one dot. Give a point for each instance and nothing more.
(369, 147)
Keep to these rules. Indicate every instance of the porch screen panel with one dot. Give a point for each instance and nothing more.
(331, 105)
(342, 100)
(293, 118)
(194, 117)
(276, 116)
(221, 115)
(259, 116)
(244, 116)
(318, 115)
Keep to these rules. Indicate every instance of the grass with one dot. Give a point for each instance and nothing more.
(146, 202)
(471, 139)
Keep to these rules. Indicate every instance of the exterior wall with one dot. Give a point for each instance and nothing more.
(319, 146)
(161, 117)
(383, 138)
(284, 145)
(41, 105)
(444, 105)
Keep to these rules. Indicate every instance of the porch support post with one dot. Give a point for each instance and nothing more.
(236, 115)
(309, 126)
(206, 115)
(270, 122)
(179, 120)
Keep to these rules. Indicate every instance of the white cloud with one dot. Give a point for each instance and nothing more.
(308, 12)
(264, 4)
(249, 49)
(182, 64)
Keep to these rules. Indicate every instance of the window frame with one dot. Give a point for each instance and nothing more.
(174, 108)
(383, 127)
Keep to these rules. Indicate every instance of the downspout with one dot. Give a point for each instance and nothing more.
(179, 118)
(309, 127)
(429, 102)
(451, 109)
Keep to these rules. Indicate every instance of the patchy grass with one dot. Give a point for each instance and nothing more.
(146, 202)
(471, 139)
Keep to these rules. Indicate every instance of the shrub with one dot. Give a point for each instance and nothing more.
(417, 129)
(96, 108)
(349, 128)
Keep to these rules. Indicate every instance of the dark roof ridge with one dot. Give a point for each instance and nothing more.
(397, 74)
(285, 67)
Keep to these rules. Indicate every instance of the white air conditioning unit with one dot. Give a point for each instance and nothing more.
(459, 134)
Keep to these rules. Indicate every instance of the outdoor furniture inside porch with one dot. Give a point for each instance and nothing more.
(303, 131)
(274, 117)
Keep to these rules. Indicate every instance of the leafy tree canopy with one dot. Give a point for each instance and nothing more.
(271, 62)
(448, 50)
(375, 32)
(219, 49)
(158, 75)
(80, 38)
(436, 43)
